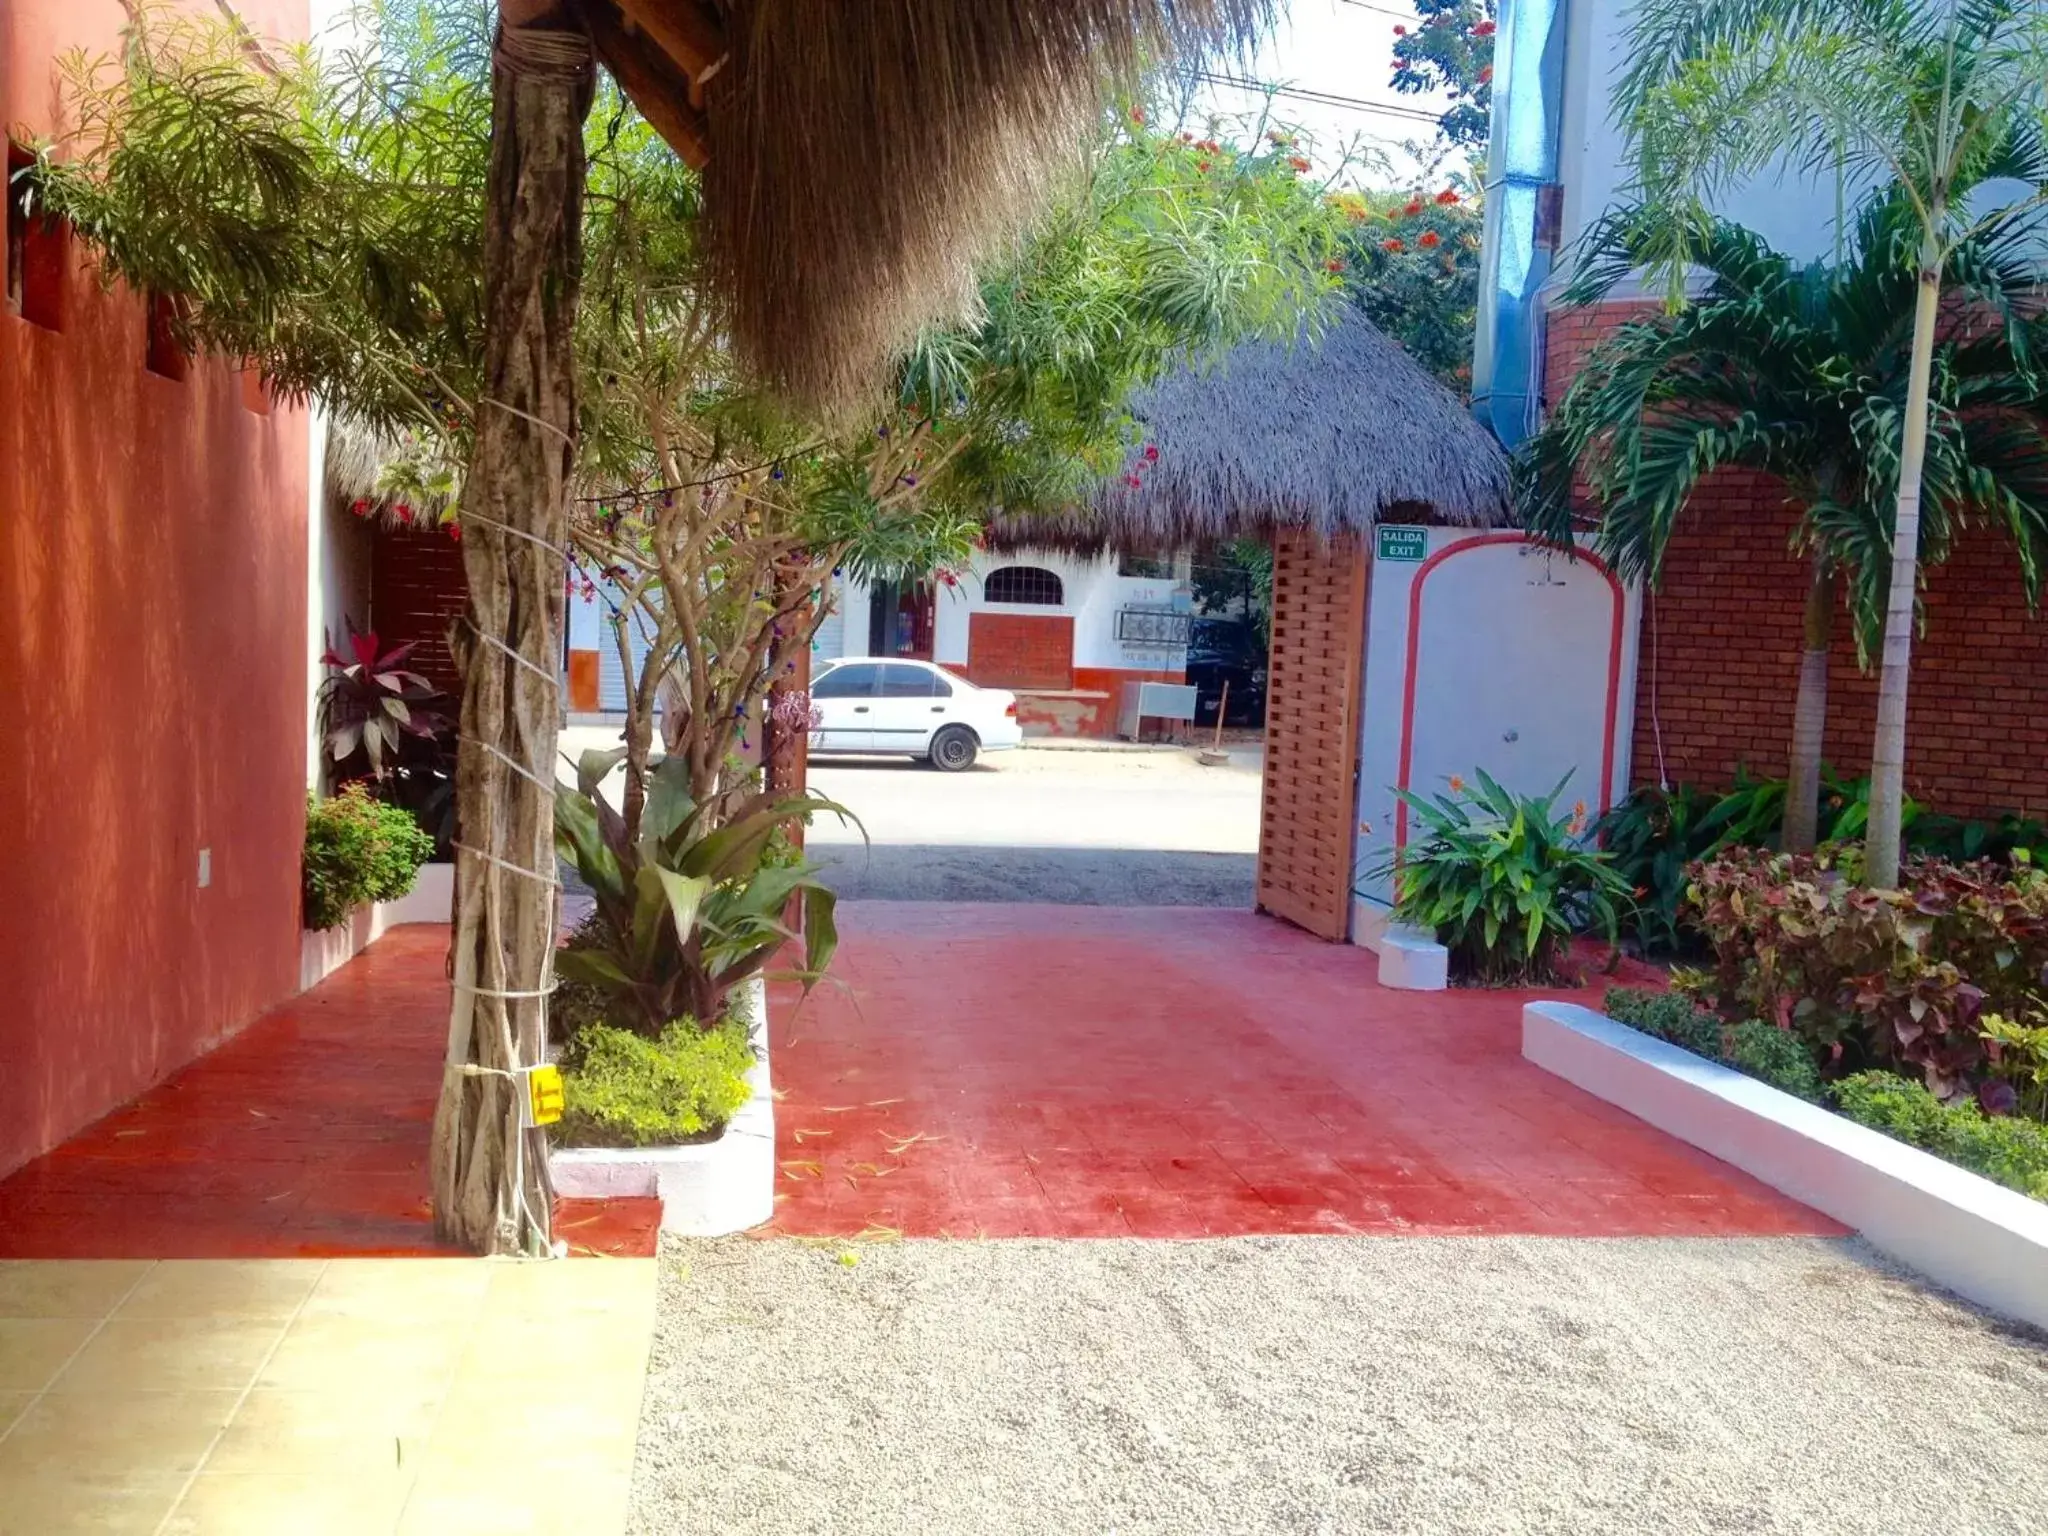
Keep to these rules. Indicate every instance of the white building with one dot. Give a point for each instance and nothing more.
(1065, 633)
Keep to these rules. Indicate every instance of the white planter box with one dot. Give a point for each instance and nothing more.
(1979, 1239)
(1411, 960)
(431, 900)
(712, 1189)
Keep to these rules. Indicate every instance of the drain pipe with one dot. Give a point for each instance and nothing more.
(1522, 208)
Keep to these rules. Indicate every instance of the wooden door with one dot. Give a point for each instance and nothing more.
(1314, 678)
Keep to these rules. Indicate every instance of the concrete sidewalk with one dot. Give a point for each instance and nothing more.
(301, 1397)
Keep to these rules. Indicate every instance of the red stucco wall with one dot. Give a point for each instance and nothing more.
(152, 677)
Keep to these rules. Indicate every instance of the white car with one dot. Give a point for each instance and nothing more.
(886, 707)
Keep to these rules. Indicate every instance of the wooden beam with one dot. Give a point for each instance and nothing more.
(694, 41)
(651, 81)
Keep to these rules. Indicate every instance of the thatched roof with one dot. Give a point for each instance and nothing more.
(1333, 434)
(862, 157)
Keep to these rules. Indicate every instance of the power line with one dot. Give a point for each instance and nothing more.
(1322, 98)
(1366, 5)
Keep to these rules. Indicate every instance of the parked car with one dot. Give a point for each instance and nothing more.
(1227, 650)
(910, 708)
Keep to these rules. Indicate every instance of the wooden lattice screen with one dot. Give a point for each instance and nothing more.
(1306, 824)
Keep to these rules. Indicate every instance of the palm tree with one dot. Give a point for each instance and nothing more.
(1798, 371)
(1946, 97)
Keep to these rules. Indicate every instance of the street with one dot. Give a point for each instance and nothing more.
(1074, 824)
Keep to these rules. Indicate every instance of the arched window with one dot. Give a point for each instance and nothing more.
(1023, 584)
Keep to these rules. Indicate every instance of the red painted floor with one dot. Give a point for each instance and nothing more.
(1070, 1071)
(303, 1136)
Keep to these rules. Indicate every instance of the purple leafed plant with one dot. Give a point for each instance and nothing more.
(370, 701)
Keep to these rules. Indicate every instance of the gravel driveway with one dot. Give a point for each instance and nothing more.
(1330, 1385)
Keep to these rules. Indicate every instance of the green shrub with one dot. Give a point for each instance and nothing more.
(1762, 1051)
(1668, 1016)
(2004, 1148)
(1775, 1056)
(358, 849)
(621, 1089)
(1502, 881)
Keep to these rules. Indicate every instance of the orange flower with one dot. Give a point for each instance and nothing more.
(1412, 207)
(1201, 165)
(1578, 810)
(1138, 116)
(1457, 785)
(1447, 197)
(1394, 246)
(1297, 163)
(1357, 214)
(1430, 240)
(1335, 265)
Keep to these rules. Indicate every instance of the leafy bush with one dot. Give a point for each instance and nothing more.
(692, 907)
(1887, 977)
(358, 849)
(622, 1089)
(1761, 1050)
(2018, 1051)
(2009, 1150)
(1655, 833)
(1502, 881)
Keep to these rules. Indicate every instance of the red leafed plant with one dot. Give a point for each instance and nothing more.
(369, 702)
(1899, 977)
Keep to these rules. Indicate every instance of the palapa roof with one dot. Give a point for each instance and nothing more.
(862, 157)
(1332, 434)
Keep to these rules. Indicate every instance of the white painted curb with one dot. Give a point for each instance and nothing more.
(1411, 960)
(709, 1190)
(431, 900)
(1979, 1239)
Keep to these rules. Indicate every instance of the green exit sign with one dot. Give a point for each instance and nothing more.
(1400, 544)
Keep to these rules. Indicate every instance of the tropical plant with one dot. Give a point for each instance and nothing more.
(622, 1089)
(2018, 1049)
(1949, 98)
(1451, 52)
(687, 909)
(1797, 371)
(1899, 977)
(1656, 834)
(369, 702)
(1502, 880)
(357, 850)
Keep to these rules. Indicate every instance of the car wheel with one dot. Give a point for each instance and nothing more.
(953, 749)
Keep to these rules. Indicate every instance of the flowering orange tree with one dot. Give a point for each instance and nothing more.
(1412, 265)
(1451, 50)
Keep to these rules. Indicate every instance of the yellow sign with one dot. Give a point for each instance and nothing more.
(544, 1092)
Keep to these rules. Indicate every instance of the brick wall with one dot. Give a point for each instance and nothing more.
(417, 592)
(1721, 642)
(1020, 650)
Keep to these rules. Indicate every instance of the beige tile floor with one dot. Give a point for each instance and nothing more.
(300, 1397)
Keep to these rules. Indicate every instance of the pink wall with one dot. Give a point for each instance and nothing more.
(152, 676)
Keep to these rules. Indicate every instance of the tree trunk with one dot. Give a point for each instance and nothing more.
(1888, 752)
(491, 1191)
(1810, 714)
